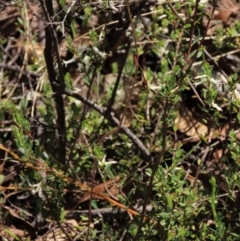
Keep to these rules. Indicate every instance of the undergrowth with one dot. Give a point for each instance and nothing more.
(120, 123)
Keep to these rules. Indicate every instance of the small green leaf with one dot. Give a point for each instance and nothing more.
(62, 215)
(45, 155)
(1, 178)
(21, 150)
(94, 204)
(170, 202)
(110, 174)
(133, 229)
(199, 54)
(164, 215)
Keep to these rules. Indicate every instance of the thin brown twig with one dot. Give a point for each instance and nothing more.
(200, 44)
(155, 167)
(114, 92)
(134, 79)
(143, 150)
(65, 178)
(51, 46)
(203, 158)
(193, 24)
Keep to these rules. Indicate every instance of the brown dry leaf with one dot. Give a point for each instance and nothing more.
(217, 155)
(61, 233)
(34, 50)
(14, 213)
(188, 125)
(204, 178)
(223, 15)
(72, 222)
(103, 188)
(226, 9)
(8, 26)
(222, 132)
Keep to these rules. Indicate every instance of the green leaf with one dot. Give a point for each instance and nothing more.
(164, 215)
(199, 54)
(63, 215)
(94, 204)
(1, 178)
(133, 229)
(110, 174)
(169, 201)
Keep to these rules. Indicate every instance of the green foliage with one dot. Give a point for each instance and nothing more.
(188, 199)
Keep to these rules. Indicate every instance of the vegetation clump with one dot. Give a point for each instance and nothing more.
(119, 120)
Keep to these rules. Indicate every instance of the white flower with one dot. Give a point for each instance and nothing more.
(103, 162)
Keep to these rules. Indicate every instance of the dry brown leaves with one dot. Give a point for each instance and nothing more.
(68, 229)
(109, 187)
(225, 13)
(7, 21)
(187, 124)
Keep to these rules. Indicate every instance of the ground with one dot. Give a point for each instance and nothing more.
(119, 120)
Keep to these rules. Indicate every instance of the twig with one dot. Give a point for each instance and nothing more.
(203, 159)
(65, 178)
(71, 5)
(129, 22)
(155, 167)
(200, 44)
(143, 150)
(17, 69)
(103, 211)
(114, 92)
(52, 46)
(193, 25)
